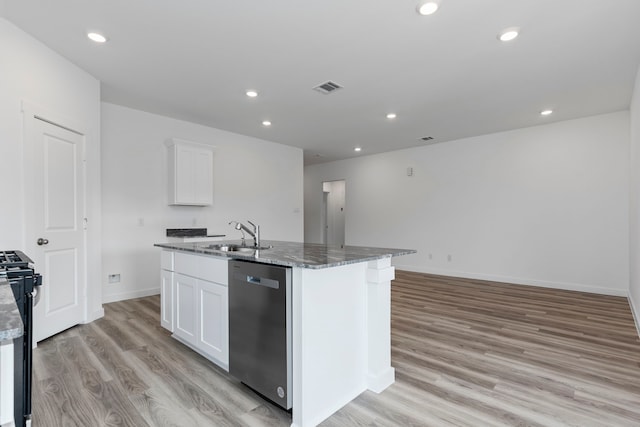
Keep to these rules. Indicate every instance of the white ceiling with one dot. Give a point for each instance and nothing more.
(445, 75)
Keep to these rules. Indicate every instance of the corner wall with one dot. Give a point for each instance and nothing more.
(546, 205)
(634, 211)
(30, 71)
(254, 180)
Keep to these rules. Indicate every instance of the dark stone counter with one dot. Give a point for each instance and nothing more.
(10, 320)
(190, 232)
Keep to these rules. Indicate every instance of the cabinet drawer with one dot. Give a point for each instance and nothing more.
(187, 264)
(214, 270)
(202, 267)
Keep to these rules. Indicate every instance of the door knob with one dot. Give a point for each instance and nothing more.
(42, 241)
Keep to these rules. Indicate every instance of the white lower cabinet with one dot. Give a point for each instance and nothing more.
(185, 307)
(166, 300)
(6, 383)
(194, 304)
(213, 316)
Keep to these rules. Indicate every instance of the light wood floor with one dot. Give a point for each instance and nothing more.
(466, 353)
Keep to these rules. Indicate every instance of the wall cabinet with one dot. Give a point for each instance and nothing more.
(194, 303)
(190, 173)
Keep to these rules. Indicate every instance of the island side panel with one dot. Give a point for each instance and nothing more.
(330, 340)
(6, 382)
(380, 374)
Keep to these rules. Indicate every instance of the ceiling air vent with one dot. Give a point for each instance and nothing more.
(327, 87)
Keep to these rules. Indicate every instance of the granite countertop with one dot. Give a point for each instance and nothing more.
(292, 254)
(10, 320)
(190, 232)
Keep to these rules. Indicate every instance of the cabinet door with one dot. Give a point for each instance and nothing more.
(166, 299)
(213, 317)
(203, 177)
(185, 296)
(192, 169)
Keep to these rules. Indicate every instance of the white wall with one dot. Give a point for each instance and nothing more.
(253, 180)
(29, 71)
(634, 211)
(546, 205)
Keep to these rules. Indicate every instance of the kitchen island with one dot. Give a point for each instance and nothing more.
(341, 302)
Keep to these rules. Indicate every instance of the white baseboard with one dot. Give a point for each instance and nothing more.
(97, 314)
(378, 383)
(516, 280)
(635, 312)
(106, 299)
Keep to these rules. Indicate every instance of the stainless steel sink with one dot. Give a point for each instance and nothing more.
(234, 248)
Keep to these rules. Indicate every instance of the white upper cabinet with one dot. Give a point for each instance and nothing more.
(190, 173)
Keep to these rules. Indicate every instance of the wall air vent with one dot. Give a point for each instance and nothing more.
(429, 140)
(327, 87)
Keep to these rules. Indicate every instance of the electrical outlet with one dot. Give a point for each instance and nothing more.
(114, 278)
(449, 257)
(430, 256)
(140, 222)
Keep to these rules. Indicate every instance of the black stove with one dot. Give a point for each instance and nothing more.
(13, 258)
(15, 264)
(18, 269)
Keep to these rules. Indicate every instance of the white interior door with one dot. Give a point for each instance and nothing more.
(335, 216)
(55, 224)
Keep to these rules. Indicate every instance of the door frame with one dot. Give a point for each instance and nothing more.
(327, 197)
(30, 113)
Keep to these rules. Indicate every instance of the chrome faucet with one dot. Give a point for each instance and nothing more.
(255, 233)
(241, 231)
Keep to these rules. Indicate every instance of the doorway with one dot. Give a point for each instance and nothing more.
(55, 221)
(333, 212)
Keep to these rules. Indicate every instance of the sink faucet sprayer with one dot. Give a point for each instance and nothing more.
(241, 230)
(255, 233)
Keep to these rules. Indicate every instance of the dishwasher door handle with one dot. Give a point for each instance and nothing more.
(257, 280)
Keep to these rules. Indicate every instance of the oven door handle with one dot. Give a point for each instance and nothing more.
(36, 295)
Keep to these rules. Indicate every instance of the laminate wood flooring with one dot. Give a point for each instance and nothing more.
(466, 353)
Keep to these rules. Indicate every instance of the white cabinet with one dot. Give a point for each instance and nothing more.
(166, 300)
(185, 307)
(190, 173)
(167, 316)
(6, 382)
(194, 302)
(213, 319)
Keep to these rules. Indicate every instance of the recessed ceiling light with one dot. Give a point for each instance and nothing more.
(357, 149)
(252, 93)
(508, 34)
(545, 112)
(266, 123)
(427, 7)
(391, 116)
(96, 37)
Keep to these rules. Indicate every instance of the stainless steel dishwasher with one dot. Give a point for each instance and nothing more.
(260, 328)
